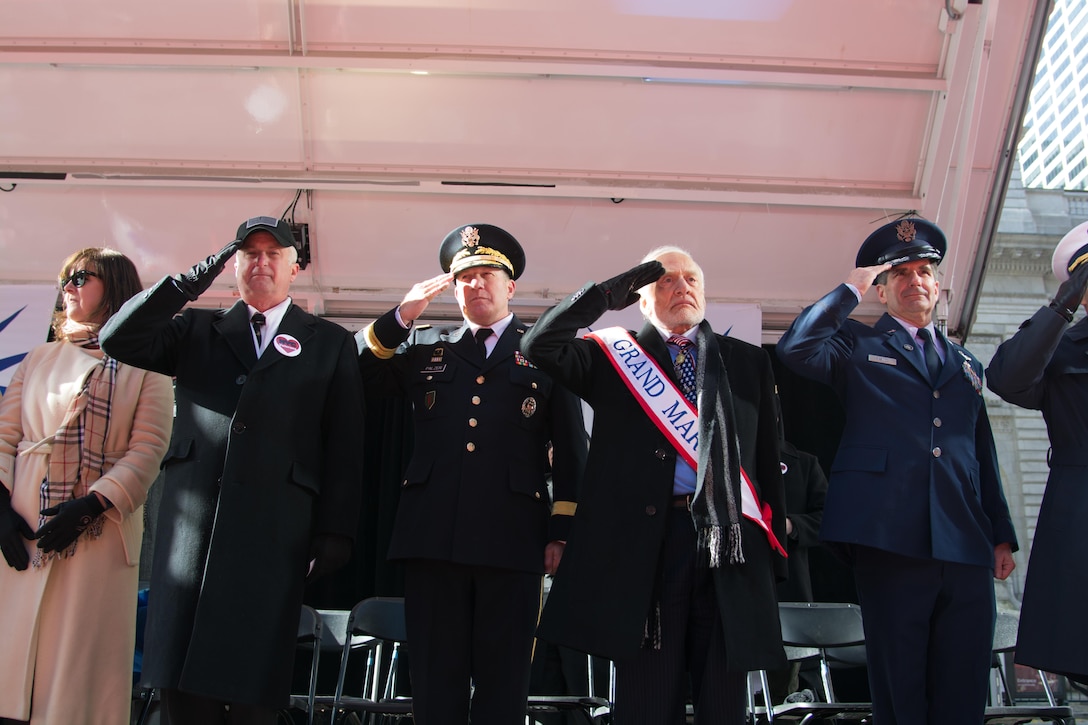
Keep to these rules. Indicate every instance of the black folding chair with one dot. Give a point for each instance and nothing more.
(376, 629)
(1009, 712)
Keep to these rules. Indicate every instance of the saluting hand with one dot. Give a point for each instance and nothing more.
(863, 277)
(421, 294)
(621, 291)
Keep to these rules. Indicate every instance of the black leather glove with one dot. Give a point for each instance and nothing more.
(622, 290)
(200, 276)
(14, 531)
(1071, 292)
(69, 521)
(328, 553)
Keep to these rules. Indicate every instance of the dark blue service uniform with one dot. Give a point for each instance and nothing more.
(915, 497)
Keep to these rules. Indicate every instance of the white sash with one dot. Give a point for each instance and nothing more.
(671, 412)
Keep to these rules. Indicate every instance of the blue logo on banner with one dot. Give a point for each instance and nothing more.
(8, 362)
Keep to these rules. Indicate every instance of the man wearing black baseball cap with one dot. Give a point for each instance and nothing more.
(475, 526)
(1044, 366)
(915, 501)
(262, 480)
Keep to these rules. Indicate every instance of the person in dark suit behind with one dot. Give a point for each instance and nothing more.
(671, 563)
(806, 489)
(915, 499)
(474, 525)
(1044, 366)
(262, 479)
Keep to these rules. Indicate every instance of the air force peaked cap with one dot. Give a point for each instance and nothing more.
(278, 228)
(904, 240)
(481, 245)
(1071, 252)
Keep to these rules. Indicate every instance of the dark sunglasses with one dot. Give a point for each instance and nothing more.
(77, 278)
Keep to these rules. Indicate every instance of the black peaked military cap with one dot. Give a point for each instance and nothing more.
(904, 240)
(481, 245)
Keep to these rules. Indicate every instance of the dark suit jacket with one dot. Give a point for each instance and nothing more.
(602, 592)
(475, 491)
(806, 489)
(264, 455)
(916, 472)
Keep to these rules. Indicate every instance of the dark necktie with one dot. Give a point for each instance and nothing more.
(933, 361)
(684, 365)
(258, 322)
(481, 339)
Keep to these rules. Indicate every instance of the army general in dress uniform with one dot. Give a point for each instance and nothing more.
(475, 526)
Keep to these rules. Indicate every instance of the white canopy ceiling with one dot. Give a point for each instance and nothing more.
(767, 137)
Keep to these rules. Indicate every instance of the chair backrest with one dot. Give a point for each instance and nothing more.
(374, 624)
(822, 625)
(381, 617)
(834, 629)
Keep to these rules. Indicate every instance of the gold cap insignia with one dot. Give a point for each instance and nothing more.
(905, 231)
(470, 236)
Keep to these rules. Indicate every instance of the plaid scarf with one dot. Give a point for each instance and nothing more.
(79, 447)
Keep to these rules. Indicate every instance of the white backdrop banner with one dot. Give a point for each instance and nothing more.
(25, 312)
(743, 321)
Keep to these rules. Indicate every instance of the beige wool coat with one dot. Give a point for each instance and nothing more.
(68, 628)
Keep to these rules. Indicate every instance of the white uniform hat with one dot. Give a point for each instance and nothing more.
(1071, 252)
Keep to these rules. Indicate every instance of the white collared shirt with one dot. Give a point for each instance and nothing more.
(273, 316)
(497, 329)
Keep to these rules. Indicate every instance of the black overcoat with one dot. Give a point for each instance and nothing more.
(264, 455)
(602, 593)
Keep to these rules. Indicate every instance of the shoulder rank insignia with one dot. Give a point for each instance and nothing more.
(520, 359)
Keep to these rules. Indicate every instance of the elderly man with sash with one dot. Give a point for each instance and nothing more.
(672, 558)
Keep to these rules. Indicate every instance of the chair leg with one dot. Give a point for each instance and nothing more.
(1046, 688)
(146, 709)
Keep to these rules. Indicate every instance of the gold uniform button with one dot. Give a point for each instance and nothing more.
(430, 377)
(472, 422)
(470, 446)
(936, 394)
(480, 380)
(537, 495)
(937, 452)
(937, 422)
(475, 399)
(535, 386)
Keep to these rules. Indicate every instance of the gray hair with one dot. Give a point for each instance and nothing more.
(659, 252)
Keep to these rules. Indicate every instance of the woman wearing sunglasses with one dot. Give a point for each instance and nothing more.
(81, 437)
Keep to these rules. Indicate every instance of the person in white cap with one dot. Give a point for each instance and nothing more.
(1044, 366)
